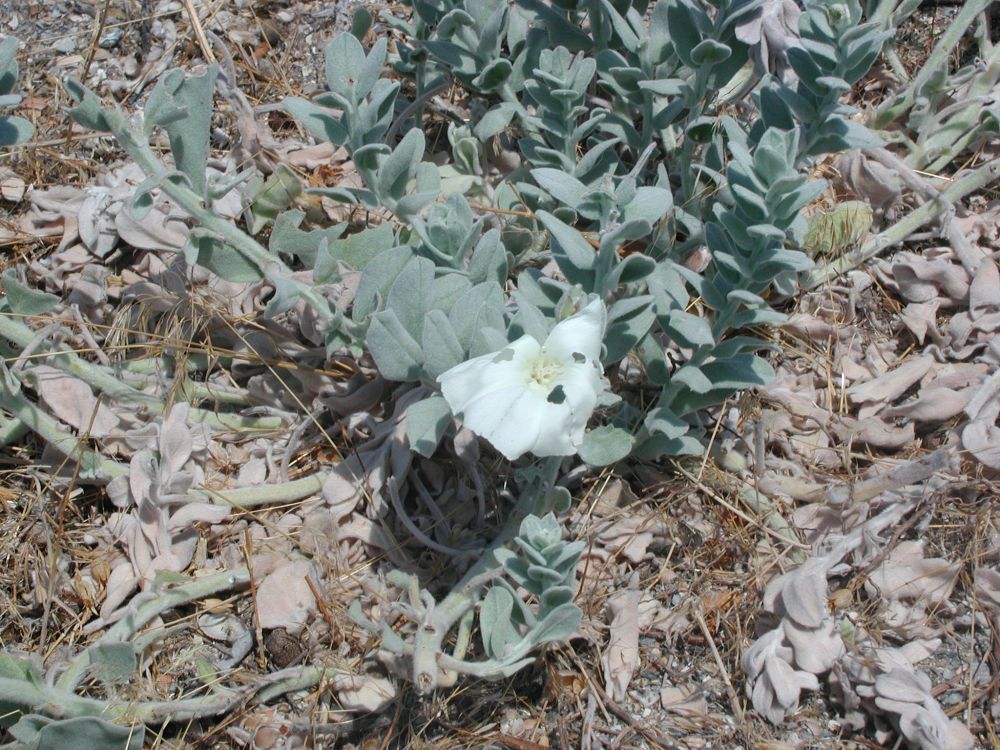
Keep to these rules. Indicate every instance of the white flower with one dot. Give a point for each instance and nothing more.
(531, 396)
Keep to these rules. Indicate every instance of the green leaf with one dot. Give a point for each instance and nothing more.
(688, 330)
(15, 130)
(397, 355)
(442, 350)
(221, 259)
(80, 733)
(574, 255)
(558, 625)
(410, 294)
(605, 445)
(24, 300)
(495, 120)
(489, 259)
(479, 308)
(318, 121)
(495, 626)
(426, 422)
(113, 663)
(710, 52)
(189, 134)
(560, 185)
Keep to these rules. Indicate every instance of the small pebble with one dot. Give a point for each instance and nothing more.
(65, 45)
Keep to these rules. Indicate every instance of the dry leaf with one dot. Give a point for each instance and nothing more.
(621, 657)
(284, 599)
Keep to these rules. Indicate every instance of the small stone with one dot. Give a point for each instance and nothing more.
(66, 45)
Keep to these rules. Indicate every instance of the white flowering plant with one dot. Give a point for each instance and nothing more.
(572, 279)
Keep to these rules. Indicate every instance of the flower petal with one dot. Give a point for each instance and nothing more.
(488, 373)
(580, 333)
(510, 418)
(582, 385)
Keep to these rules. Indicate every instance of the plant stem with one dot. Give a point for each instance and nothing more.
(890, 109)
(968, 183)
(147, 606)
(98, 377)
(93, 466)
(271, 267)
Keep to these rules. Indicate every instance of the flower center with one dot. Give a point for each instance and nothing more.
(545, 371)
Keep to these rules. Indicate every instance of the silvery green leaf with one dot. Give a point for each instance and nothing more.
(447, 289)
(489, 259)
(24, 300)
(693, 378)
(528, 320)
(738, 372)
(79, 733)
(495, 626)
(354, 251)
(574, 255)
(479, 308)
(113, 663)
(653, 358)
(318, 121)
(275, 195)
(649, 204)
(629, 319)
(710, 52)
(495, 120)
(442, 350)
(377, 277)
(354, 196)
(189, 135)
(426, 422)
(286, 294)
(493, 76)
(562, 186)
(361, 23)
(345, 64)
(397, 169)
(371, 69)
(88, 111)
(13, 668)
(557, 625)
(662, 420)
(220, 258)
(15, 130)
(660, 445)
(605, 445)
(410, 294)
(556, 500)
(8, 64)
(841, 134)
(665, 87)
(161, 107)
(632, 268)
(397, 355)
(689, 331)
(684, 30)
(286, 237)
